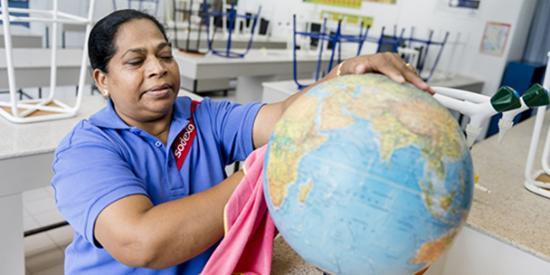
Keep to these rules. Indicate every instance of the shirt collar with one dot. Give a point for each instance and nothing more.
(108, 118)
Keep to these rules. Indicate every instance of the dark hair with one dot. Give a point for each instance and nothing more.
(101, 46)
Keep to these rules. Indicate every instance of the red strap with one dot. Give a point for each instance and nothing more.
(182, 145)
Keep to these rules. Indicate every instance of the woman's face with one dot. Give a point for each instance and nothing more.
(143, 77)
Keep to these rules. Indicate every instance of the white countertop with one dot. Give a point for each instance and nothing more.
(253, 56)
(457, 81)
(510, 212)
(41, 58)
(258, 62)
(17, 140)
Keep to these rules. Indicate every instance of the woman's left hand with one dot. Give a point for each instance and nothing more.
(389, 64)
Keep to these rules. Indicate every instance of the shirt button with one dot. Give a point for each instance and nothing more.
(158, 143)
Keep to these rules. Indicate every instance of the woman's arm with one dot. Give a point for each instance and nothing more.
(137, 233)
(386, 63)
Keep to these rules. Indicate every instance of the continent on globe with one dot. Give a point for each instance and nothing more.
(368, 176)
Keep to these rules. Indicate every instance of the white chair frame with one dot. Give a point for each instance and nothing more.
(22, 110)
(531, 183)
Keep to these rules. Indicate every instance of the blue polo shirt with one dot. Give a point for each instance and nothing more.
(103, 160)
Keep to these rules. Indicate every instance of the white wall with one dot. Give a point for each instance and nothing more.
(462, 56)
(476, 253)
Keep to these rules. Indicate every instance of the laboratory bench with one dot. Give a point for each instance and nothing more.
(257, 67)
(238, 41)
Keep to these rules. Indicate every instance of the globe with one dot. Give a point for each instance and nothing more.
(365, 175)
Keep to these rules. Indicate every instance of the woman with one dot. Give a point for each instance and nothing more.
(142, 181)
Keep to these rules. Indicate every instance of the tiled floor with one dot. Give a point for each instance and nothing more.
(44, 252)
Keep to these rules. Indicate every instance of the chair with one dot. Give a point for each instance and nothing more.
(191, 15)
(320, 37)
(230, 21)
(34, 110)
(424, 50)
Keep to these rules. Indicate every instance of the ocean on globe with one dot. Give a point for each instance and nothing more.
(368, 176)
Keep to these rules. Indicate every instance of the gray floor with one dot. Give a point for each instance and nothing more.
(44, 252)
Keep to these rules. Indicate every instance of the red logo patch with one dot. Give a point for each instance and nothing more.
(184, 140)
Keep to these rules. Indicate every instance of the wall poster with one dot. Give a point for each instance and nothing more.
(495, 38)
(348, 17)
(356, 4)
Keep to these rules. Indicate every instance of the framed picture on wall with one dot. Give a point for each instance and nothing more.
(495, 38)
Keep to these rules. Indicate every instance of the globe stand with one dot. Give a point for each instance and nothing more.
(538, 181)
(481, 107)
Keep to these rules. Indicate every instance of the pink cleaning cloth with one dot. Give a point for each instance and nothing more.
(247, 247)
